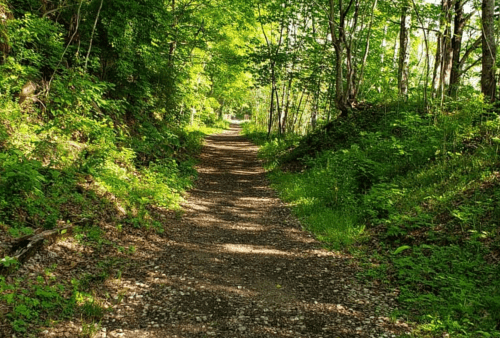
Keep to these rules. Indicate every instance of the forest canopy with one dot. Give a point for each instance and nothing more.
(378, 118)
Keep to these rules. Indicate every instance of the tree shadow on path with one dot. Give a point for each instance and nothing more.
(237, 264)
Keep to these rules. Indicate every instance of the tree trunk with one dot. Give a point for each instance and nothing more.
(488, 84)
(278, 109)
(447, 46)
(383, 45)
(287, 104)
(314, 113)
(404, 53)
(437, 65)
(297, 112)
(339, 44)
(456, 43)
(271, 106)
(350, 92)
(340, 101)
(92, 35)
(367, 50)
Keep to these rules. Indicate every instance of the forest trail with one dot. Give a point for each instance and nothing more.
(237, 264)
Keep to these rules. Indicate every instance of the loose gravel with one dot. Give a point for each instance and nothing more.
(236, 263)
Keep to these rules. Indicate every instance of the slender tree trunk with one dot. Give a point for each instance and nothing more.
(330, 99)
(271, 106)
(488, 83)
(404, 53)
(456, 44)
(383, 44)
(339, 44)
(437, 65)
(297, 112)
(339, 84)
(428, 63)
(278, 109)
(305, 106)
(272, 58)
(287, 104)
(367, 50)
(314, 113)
(447, 45)
(350, 92)
(77, 19)
(92, 35)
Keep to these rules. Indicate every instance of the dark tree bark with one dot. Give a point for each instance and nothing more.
(456, 43)
(488, 83)
(287, 104)
(272, 55)
(437, 65)
(444, 51)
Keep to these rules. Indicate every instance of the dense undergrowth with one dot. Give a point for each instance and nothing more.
(95, 171)
(84, 170)
(415, 196)
(50, 174)
(93, 134)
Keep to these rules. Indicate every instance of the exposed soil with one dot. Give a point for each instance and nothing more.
(235, 264)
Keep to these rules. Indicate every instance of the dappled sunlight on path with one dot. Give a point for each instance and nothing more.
(237, 264)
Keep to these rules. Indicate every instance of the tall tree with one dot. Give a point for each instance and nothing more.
(458, 61)
(489, 48)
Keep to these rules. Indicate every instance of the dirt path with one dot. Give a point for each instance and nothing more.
(237, 264)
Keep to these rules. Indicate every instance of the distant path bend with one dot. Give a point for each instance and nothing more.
(237, 264)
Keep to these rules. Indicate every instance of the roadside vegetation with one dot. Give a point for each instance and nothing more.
(415, 197)
(98, 140)
(379, 126)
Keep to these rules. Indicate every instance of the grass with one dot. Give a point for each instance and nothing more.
(337, 227)
(415, 198)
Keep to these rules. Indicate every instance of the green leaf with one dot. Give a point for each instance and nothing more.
(401, 249)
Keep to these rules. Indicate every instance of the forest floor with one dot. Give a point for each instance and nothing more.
(235, 263)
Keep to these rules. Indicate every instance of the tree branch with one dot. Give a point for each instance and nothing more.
(92, 35)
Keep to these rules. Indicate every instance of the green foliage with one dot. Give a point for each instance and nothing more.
(116, 111)
(450, 288)
(41, 302)
(252, 131)
(323, 200)
(425, 187)
(9, 262)
(20, 176)
(36, 46)
(108, 131)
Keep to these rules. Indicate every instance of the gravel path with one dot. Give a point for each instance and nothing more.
(237, 264)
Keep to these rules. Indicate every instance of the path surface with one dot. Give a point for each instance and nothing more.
(237, 264)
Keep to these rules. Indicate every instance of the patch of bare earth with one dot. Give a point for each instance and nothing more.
(236, 264)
